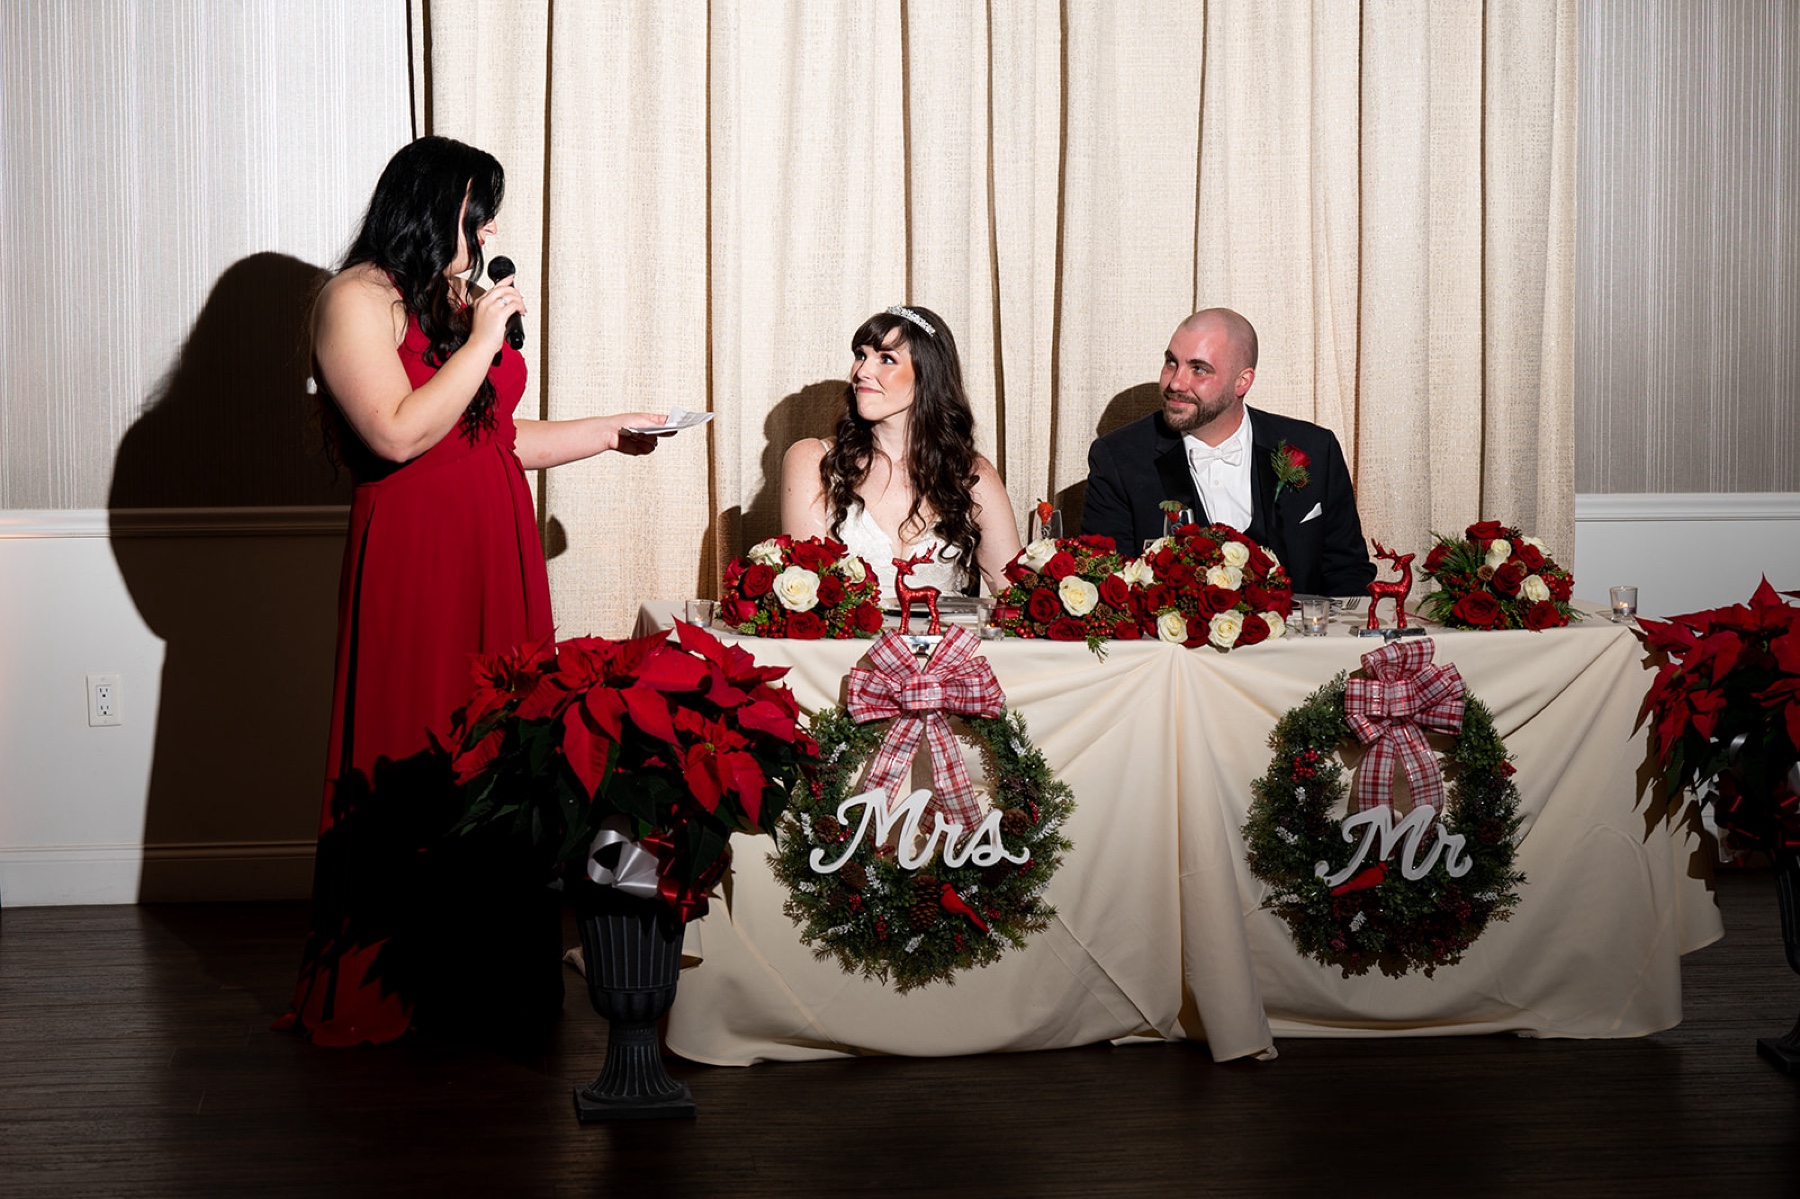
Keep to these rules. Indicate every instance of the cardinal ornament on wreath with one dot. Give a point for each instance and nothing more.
(911, 889)
(1368, 889)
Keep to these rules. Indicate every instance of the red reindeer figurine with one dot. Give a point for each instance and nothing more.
(906, 595)
(1394, 589)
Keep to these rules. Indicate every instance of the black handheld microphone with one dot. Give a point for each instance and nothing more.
(503, 268)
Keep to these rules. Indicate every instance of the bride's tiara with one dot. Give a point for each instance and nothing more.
(901, 310)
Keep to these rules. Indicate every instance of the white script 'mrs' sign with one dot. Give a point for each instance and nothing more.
(1378, 824)
(983, 847)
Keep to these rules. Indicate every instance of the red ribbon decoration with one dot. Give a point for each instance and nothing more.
(1389, 711)
(956, 679)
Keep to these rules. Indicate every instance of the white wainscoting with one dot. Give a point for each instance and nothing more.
(1686, 552)
(220, 623)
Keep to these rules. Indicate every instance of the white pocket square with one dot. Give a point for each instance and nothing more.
(1317, 510)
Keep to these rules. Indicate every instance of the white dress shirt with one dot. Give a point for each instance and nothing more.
(1222, 475)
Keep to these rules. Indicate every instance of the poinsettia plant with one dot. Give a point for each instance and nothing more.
(806, 588)
(1495, 577)
(688, 741)
(1212, 585)
(1725, 707)
(1070, 589)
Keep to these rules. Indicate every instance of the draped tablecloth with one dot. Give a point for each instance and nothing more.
(1159, 931)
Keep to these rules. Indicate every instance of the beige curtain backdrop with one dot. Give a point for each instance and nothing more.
(706, 199)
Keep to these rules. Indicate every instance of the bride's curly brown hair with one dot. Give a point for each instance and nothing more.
(940, 449)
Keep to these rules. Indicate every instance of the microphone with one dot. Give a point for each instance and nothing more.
(502, 268)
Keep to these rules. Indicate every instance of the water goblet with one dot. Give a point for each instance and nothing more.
(1174, 520)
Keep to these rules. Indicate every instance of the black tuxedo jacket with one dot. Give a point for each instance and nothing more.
(1132, 470)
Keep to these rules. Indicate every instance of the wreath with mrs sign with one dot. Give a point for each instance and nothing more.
(1369, 890)
(913, 890)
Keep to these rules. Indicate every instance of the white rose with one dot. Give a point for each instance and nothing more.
(1499, 550)
(798, 589)
(1534, 589)
(851, 567)
(1137, 573)
(1235, 553)
(1224, 629)
(1225, 576)
(1277, 624)
(1078, 595)
(1273, 560)
(1159, 543)
(1537, 543)
(1171, 626)
(765, 553)
(1038, 553)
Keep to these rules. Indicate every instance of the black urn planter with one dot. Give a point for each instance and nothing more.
(1784, 1052)
(632, 951)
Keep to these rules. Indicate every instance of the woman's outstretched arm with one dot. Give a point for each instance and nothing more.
(546, 443)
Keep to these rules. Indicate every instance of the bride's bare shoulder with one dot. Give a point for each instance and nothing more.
(805, 454)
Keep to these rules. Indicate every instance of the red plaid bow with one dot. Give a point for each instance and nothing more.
(1387, 711)
(957, 679)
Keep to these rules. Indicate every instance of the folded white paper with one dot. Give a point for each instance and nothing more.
(679, 419)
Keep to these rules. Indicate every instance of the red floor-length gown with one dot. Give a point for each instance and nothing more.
(443, 562)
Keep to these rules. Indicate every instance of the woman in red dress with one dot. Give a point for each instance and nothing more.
(443, 559)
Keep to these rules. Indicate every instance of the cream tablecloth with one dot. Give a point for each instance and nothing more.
(1159, 932)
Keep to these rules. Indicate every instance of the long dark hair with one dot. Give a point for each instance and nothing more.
(409, 231)
(940, 443)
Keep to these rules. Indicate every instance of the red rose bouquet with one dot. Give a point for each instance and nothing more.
(1494, 577)
(1213, 585)
(805, 589)
(1725, 706)
(1069, 589)
(684, 742)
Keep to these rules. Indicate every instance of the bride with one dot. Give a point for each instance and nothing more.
(900, 477)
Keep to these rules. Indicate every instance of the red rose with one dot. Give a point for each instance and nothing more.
(1043, 605)
(807, 555)
(1530, 555)
(1198, 631)
(1543, 615)
(1177, 574)
(805, 626)
(1017, 571)
(1214, 600)
(1434, 561)
(1281, 599)
(1060, 566)
(1260, 562)
(1297, 458)
(831, 590)
(1125, 630)
(1255, 629)
(1561, 586)
(1478, 609)
(734, 571)
(1066, 629)
(1116, 591)
(1102, 545)
(1258, 597)
(1486, 531)
(757, 580)
(1159, 596)
(1508, 577)
(868, 618)
(739, 612)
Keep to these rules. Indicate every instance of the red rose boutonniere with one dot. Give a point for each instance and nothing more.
(1290, 463)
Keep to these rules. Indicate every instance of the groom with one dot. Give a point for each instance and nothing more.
(1217, 456)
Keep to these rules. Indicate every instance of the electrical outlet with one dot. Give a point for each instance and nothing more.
(103, 700)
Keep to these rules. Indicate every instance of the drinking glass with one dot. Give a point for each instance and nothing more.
(1624, 602)
(700, 612)
(1315, 612)
(1042, 527)
(1174, 520)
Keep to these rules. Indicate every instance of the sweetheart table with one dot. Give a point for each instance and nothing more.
(1159, 932)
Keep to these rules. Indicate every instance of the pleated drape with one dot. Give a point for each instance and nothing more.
(706, 199)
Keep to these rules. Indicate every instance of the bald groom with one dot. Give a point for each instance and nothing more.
(1215, 454)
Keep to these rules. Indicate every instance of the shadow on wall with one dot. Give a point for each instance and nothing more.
(244, 599)
(812, 411)
(1131, 404)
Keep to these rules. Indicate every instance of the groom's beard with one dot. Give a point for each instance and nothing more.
(1192, 412)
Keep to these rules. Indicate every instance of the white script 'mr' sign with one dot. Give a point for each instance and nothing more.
(1378, 823)
(983, 848)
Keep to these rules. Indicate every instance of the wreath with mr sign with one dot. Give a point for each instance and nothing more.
(1369, 889)
(867, 884)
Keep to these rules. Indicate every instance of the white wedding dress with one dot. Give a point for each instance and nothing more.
(864, 538)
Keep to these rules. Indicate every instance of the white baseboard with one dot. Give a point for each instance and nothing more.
(1685, 553)
(53, 875)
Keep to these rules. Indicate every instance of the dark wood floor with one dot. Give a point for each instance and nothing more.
(135, 1060)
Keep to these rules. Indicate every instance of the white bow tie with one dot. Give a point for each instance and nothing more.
(1202, 455)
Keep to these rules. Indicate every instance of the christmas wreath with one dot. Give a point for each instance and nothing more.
(879, 910)
(1387, 897)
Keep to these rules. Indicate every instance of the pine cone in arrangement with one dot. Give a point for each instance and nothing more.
(1014, 821)
(827, 828)
(854, 876)
(999, 872)
(926, 905)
